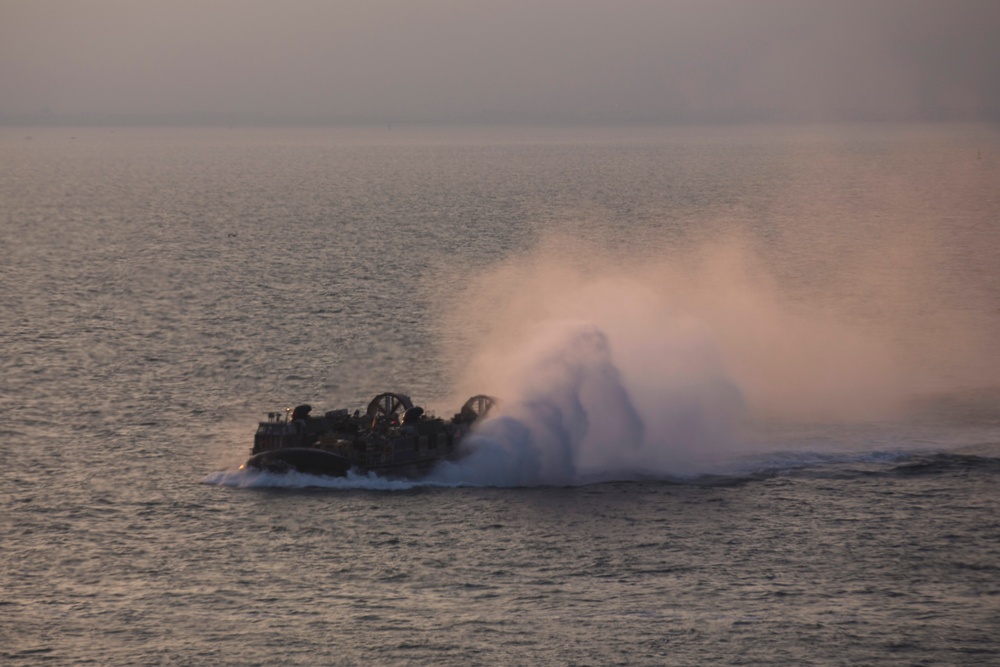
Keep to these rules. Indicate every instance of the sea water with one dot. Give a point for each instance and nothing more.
(749, 386)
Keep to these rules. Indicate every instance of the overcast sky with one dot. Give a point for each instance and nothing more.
(532, 60)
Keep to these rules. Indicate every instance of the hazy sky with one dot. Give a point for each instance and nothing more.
(467, 60)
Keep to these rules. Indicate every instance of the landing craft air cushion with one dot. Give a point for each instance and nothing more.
(393, 438)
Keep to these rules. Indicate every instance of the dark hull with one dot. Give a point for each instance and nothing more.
(300, 459)
(385, 440)
(311, 461)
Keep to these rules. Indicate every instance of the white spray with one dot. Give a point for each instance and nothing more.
(637, 391)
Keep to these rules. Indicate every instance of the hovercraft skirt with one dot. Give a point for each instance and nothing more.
(306, 460)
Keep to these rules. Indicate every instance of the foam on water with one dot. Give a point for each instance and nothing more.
(246, 478)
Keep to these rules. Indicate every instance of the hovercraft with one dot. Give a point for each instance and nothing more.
(392, 438)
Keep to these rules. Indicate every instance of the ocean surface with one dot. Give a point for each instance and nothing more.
(749, 383)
